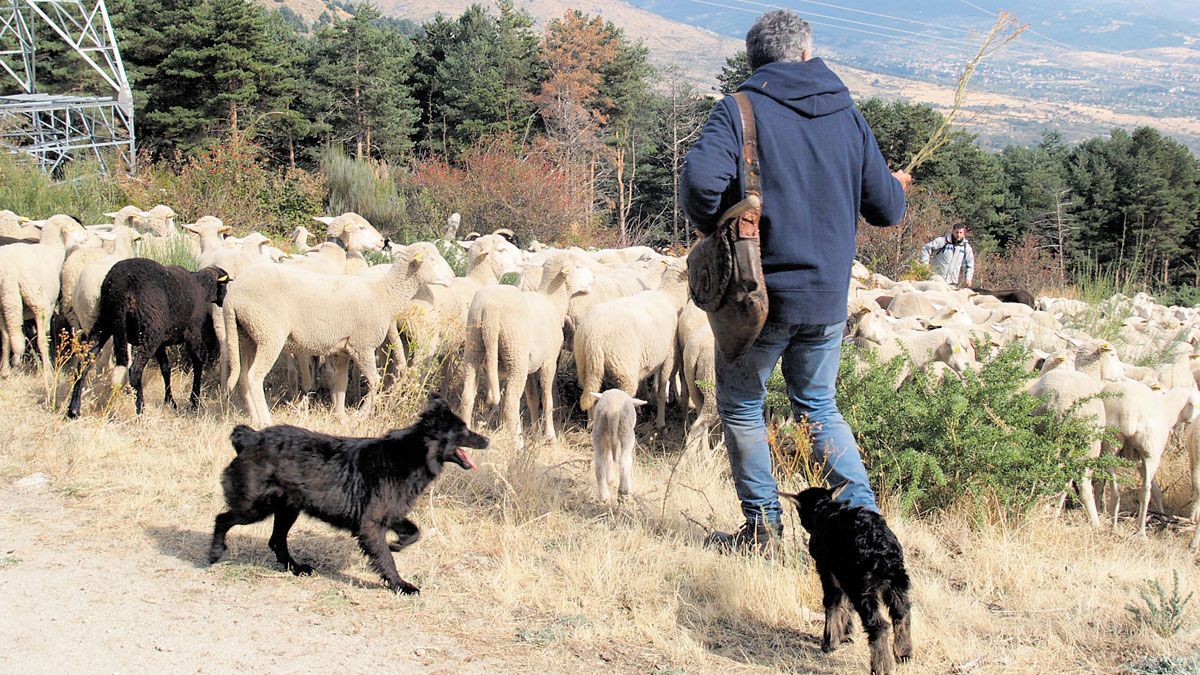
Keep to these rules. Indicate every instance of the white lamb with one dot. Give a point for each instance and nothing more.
(515, 336)
(342, 318)
(614, 417)
(629, 339)
(1143, 420)
(30, 279)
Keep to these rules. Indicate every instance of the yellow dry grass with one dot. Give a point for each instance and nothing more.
(522, 564)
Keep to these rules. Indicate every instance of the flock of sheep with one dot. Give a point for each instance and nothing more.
(619, 316)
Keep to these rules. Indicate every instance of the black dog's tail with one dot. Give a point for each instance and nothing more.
(242, 438)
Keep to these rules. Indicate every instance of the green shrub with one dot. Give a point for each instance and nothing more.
(980, 438)
(1163, 613)
(167, 251)
(367, 188)
(454, 254)
(83, 193)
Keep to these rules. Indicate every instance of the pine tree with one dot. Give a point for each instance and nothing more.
(219, 63)
(735, 71)
(360, 69)
(475, 75)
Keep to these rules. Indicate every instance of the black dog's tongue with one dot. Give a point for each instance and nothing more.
(462, 454)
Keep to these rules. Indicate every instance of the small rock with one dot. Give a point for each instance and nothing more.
(33, 481)
(418, 652)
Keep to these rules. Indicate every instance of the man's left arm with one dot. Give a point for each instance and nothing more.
(711, 166)
(970, 264)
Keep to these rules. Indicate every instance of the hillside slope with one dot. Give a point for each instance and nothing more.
(998, 118)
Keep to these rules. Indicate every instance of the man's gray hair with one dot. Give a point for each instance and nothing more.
(780, 35)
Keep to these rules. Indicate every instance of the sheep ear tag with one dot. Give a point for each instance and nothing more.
(224, 278)
(418, 257)
(838, 489)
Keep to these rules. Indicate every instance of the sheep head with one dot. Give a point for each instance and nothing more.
(355, 232)
(214, 281)
(570, 270)
(422, 262)
(496, 251)
(127, 215)
(160, 220)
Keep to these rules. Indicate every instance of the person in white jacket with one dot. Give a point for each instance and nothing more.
(949, 254)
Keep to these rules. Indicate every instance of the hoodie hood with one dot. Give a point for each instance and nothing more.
(808, 87)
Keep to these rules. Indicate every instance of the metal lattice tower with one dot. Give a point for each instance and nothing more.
(55, 128)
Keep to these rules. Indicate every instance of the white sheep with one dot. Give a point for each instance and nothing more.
(1143, 420)
(699, 373)
(328, 257)
(209, 229)
(439, 313)
(342, 318)
(515, 336)
(10, 224)
(81, 298)
(160, 220)
(356, 234)
(613, 419)
(128, 216)
(299, 238)
(1098, 359)
(947, 345)
(1065, 391)
(236, 259)
(632, 338)
(30, 279)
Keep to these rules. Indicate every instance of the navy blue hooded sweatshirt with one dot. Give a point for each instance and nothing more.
(821, 168)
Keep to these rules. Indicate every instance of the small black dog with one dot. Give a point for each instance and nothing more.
(860, 563)
(364, 485)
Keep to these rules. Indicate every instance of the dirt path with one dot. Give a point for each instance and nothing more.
(73, 603)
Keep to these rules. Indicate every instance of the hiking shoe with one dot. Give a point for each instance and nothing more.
(759, 538)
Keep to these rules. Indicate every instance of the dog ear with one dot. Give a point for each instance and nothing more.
(836, 490)
(789, 496)
(436, 405)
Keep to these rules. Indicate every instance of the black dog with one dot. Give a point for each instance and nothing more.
(364, 485)
(860, 563)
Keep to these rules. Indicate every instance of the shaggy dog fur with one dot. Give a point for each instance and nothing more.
(860, 563)
(364, 485)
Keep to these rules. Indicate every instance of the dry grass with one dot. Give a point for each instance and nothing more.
(520, 563)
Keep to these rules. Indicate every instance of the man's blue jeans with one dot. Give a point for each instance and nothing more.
(810, 354)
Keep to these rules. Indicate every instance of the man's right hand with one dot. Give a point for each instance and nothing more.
(905, 179)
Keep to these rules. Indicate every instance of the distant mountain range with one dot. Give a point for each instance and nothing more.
(1082, 68)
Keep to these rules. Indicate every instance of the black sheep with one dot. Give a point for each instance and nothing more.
(860, 563)
(151, 307)
(1016, 295)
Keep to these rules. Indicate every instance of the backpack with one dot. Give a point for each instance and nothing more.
(725, 276)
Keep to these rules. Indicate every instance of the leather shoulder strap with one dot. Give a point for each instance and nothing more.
(749, 145)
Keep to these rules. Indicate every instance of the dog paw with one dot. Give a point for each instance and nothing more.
(214, 555)
(406, 589)
(300, 569)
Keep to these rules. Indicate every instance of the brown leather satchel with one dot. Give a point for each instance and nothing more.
(725, 275)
